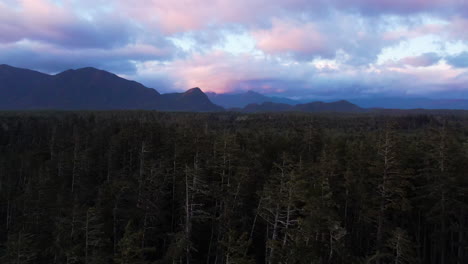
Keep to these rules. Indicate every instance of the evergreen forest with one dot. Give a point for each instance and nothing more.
(229, 188)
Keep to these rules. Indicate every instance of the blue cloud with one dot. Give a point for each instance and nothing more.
(459, 60)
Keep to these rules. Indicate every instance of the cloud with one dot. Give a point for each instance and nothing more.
(415, 32)
(53, 36)
(453, 28)
(326, 37)
(404, 7)
(423, 60)
(42, 20)
(288, 47)
(192, 15)
(459, 60)
(49, 58)
(220, 72)
(291, 37)
(457, 28)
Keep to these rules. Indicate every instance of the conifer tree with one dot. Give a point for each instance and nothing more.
(401, 247)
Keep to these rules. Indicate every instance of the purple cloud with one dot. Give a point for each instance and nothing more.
(423, 60)
(402, 7)
(41, 20)
(50, 58)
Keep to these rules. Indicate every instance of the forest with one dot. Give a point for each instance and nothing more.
(153, 187)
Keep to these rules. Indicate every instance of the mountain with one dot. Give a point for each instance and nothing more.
(243, 99)
(338, 106)
(192, 100)
(89, 89)
(410, 103)
(16, 85)
(267, 107)
(94, 89)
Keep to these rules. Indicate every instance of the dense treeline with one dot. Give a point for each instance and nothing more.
(147, 187)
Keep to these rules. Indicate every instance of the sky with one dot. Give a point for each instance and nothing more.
(293, 48)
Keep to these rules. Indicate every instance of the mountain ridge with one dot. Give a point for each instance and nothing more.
(94, 89)
(317, 106)
(89, 89)
(240, 100)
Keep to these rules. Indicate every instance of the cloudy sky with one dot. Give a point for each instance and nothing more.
(294, 48)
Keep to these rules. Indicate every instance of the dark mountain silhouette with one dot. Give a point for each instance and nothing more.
(89, 88)
(338, 106)
(93, 89)
(243, 99)
(192, 100)
(267, 107)
(17, 86)
(410, 103)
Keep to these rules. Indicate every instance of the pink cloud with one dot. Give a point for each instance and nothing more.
(222, 72)
(459, 28)
(216, 72)
(291, 37)
(31, 17)
(419, 61)
(181, 16)
(423, 60)
(426, 80)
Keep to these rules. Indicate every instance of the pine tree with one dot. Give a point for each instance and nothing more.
(279, 208)
(94, 237)
(20, 249)
(392, 183)
(236, 247)
(401, 247)
(129, 247)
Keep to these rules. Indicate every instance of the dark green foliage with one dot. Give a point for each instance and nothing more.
(149, 187)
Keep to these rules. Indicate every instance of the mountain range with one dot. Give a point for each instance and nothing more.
(338, 106)
(90, 88)
(94, 89)
(240, 100)
(411, 103)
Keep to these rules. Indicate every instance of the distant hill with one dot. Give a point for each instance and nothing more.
(192, 100)
(338, 106)
(411, 103)
(267, 107)
(241, 100)
(90, 89)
